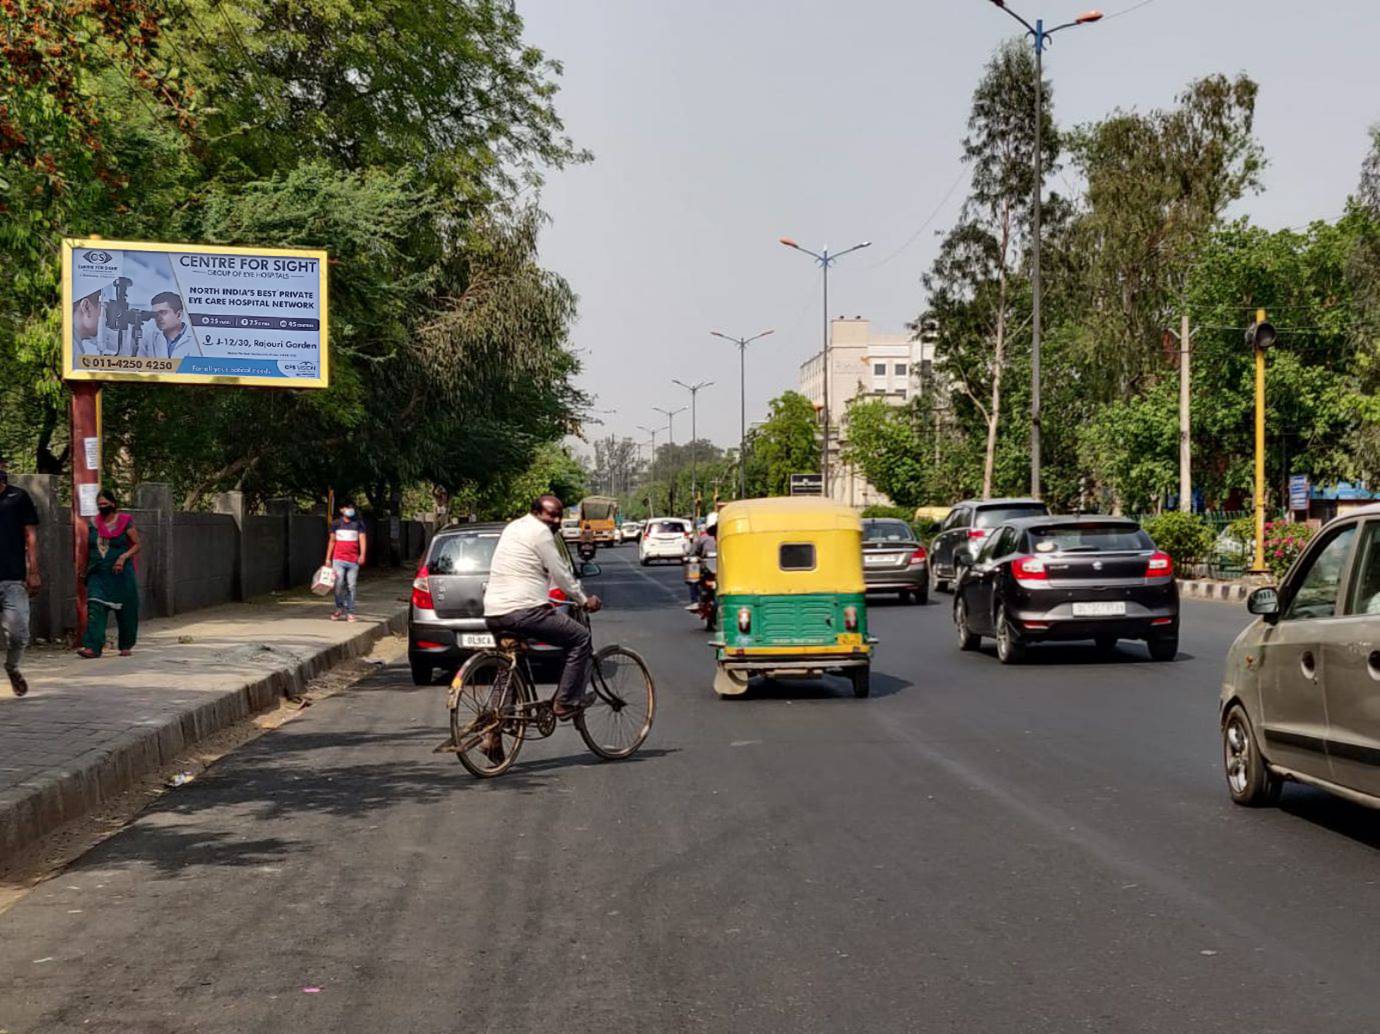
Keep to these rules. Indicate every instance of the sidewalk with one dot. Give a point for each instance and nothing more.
(88, 729)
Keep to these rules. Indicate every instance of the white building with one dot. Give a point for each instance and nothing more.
(863, 362)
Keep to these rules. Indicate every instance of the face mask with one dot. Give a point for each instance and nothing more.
(106, 507)
(349, 511)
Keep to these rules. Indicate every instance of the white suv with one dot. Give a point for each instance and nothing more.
(664, 538)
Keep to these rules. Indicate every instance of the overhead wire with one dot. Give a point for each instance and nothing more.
(958, 180)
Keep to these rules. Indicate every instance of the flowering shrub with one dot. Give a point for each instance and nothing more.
(1284, 540)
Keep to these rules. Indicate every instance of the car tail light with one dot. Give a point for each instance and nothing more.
(421, 590)
(1030, 572)
(744, 619)
(850, 618)
(918, 557)
(976, 534)
(1161, 565)
(427, 644)
(1162, 621)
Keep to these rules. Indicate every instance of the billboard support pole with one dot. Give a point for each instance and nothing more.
(86, 471)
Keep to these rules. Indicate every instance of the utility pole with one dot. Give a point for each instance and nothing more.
(694, 390)
(1185, 416)
(825, 260)
(742, 343)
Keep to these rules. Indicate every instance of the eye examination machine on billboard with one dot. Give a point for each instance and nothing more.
(194, 314)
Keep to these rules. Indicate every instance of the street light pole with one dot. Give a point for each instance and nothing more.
(651, 466)
(742, 343)
(1041, 36)
(694, 390)
(825, 260)
(670, 415)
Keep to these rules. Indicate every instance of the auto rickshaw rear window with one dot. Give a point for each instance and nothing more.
(797, 556)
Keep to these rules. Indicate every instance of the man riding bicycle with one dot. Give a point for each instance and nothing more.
(526, 565)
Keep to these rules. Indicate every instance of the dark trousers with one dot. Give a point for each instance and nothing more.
(556, 627)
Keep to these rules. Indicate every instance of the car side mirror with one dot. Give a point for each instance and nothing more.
(963, 560)
(1264, 603)
(588, 570)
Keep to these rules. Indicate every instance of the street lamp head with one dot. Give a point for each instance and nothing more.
(789, 243)
(1088, 17)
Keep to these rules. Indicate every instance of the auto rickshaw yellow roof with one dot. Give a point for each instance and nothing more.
(793, 513)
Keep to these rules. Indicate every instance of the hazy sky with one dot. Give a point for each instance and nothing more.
(719, 126)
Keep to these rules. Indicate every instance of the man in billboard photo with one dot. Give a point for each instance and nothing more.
(174, 337)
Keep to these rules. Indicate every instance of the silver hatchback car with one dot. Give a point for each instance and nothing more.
(1301, 694)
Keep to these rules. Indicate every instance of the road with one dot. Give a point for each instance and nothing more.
(974, 848)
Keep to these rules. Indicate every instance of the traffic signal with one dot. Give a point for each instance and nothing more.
(1261, 335)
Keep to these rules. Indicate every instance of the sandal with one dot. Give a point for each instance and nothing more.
(88, 653)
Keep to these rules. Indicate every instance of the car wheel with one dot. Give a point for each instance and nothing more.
(922, 597)
(966, 640)
(422, 671)
(1249, 780)
(1164, 649)
(906, 596)
(1010, 649)
(644, 561)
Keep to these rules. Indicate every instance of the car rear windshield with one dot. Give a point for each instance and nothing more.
(462, 554)
(887, 531)
(668, 528)
(991, 516)
(1088, 538)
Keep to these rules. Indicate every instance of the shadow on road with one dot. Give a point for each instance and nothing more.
(1083, 655)
(827, 688)
(1335, 814)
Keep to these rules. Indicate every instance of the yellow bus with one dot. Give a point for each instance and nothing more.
(599, 516)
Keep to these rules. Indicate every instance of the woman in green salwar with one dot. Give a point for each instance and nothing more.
(110, 582)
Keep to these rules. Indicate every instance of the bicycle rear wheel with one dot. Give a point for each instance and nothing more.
(615, 725)
(488, 698)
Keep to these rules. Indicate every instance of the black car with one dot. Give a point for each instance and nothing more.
(966, 529)
(445, 623)
(894, 560)
(1048, 579)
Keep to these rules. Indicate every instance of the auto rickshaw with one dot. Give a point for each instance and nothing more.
(790, 593)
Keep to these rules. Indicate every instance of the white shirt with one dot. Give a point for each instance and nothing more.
(526, 563)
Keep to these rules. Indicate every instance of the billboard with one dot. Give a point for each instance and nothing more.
(194, 314)
(807, 484)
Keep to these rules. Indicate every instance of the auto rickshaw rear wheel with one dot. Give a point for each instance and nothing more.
(861, 679)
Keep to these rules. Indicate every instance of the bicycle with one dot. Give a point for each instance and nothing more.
(494, 692)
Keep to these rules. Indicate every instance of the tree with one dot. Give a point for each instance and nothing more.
(970, 283)
(786, 443)
(1157, 184)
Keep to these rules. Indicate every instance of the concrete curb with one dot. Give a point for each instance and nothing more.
(1223, 592)
(34, 809)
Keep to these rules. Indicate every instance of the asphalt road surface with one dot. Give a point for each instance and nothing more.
(974, 848)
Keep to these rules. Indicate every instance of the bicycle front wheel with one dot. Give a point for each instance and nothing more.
(487, 722)
(615, 725)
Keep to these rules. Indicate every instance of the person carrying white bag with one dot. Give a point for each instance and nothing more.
(345, 553)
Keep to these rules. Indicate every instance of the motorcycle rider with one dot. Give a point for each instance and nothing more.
(706, 550)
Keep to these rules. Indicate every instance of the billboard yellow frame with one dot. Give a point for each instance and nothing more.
(70, 244)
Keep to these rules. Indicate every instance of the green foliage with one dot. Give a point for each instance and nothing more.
(391, 134)
(1284, 541)
(1186, 537)
(786, 443)
(899, 513)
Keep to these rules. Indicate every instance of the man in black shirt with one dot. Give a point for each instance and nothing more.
(19, 577)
